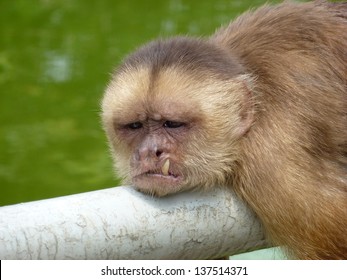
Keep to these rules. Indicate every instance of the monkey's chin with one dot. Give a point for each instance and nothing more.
(158, 184)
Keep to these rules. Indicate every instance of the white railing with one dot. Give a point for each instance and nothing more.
(121, 223)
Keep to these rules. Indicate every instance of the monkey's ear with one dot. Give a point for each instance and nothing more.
(247, 106)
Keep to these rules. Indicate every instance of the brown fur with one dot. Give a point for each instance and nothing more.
(263, 103)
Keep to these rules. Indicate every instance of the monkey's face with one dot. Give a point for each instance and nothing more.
(174, 113)
(172, 131)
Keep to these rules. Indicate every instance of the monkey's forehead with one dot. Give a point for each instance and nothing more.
(139, 94)
(170, 84)
(186, 53)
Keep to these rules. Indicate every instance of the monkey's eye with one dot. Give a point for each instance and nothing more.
(173, 124)
(134, 125)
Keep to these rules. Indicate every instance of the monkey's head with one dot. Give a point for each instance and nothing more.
(174, 113)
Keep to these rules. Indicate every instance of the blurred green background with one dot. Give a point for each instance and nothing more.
(55, 61)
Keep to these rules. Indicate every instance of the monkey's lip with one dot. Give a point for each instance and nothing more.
(158, 178)
(155, 172)
(158, 174)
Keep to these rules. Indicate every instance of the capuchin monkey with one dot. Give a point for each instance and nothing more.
(259, 107)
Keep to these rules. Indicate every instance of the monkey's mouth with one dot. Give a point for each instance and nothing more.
(165, 174)
(159, 173)
(159, 179)
(165, 170)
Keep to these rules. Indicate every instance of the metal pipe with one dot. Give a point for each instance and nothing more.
(121, 223)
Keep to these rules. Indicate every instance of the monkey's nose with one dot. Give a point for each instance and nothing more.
(146, 153)
(158, 153)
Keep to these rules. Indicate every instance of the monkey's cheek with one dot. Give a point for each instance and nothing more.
(159, 185)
